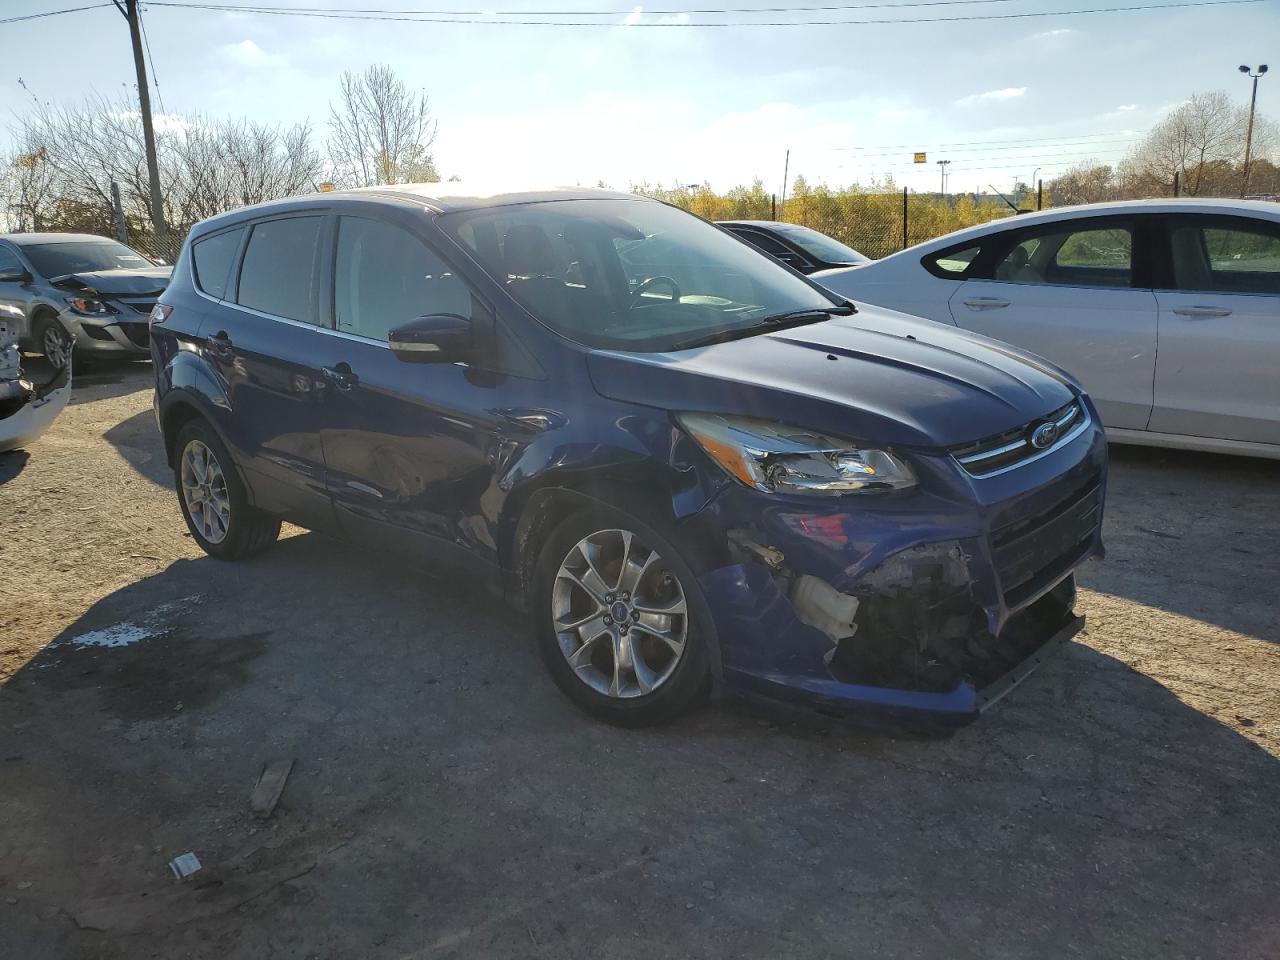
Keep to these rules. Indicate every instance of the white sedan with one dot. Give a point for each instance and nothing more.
(1167, 310)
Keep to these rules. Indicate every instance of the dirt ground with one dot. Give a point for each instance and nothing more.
(446, 800)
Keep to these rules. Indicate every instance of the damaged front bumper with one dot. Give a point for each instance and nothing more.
(929, 606)
(28, 410)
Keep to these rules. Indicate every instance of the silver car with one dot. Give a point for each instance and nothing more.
(76, 289)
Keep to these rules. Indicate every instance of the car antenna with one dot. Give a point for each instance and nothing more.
(1012, 207)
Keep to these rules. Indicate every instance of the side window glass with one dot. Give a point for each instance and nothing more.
(1082, 258)
(9, 262)
(764, 242)
(276, 275)
(952, 264)
(212, 258)
(385, 277)
(1239, 259)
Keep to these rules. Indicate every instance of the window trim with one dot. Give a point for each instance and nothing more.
(1164, 280)
(320, 213)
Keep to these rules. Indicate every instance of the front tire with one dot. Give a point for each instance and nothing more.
(622, 624)
(213, 500)
(53, 341)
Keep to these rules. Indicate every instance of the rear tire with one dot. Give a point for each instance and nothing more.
(621, 621)
(213, 500)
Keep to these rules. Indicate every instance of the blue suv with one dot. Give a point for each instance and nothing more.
(691, 465)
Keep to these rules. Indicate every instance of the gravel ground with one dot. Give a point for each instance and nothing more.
(446, 801)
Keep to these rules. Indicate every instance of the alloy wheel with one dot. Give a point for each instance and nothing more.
(204, 491)
(620, 614)
(56, 345)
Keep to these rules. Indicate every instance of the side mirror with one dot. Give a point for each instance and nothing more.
(438, 338)
(15, 276)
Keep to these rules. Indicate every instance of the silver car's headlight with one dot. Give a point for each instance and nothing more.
(778, 458)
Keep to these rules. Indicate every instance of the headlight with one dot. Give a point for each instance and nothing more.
(777, 458)
(89, 307)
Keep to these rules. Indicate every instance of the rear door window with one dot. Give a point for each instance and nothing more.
(212, 258)
(277, 274)
(384, 277)
(1088, 256)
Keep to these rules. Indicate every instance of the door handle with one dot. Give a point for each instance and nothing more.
(219, 345)
(340, 376)
(986, 303)
(1202, 311)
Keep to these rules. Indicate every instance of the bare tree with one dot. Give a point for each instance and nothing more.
(1202, 141)
(380, 131)
(1088, 182)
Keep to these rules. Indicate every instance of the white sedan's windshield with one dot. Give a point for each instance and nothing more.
(629, 274)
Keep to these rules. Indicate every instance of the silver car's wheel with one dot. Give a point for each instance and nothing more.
(55, 344)
(204, 491)
(620, 614)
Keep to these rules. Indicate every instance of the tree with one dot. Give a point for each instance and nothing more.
(1202, 141)
(1088, 182)
(380, 131)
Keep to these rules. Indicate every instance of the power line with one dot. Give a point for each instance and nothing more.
(595, 13)
(1053, 146)
(155, 79)
(53, 13)
(970, 143)
(340, 14)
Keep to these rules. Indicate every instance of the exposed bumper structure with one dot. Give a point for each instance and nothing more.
(930, 606)
(121, 337)
(28, 411)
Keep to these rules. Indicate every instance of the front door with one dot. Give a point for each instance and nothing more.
(1066, 292)
(262, 340)
(1219, 369)
(411, 448)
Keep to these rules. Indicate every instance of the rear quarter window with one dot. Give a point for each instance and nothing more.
(211, 259)
(954, 263)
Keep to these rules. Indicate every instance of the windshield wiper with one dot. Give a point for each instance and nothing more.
(778, 321)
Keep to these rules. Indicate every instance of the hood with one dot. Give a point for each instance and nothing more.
(148, 281)
(876, 376)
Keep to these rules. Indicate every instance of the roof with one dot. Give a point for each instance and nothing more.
(1260, 208)
(447, 197)
(26, 239)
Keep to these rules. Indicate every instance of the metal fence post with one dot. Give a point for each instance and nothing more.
(117, 210)
(773, 206)
(904, 218)
(1040, 194)
(1176, 191)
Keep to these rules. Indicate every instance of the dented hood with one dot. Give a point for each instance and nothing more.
(876, 376)
(148, 281)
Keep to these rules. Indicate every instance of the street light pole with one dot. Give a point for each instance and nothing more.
(1248, 137)
(942, 166)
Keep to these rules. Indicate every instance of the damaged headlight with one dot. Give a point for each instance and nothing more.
(777, 458)
(89, 307)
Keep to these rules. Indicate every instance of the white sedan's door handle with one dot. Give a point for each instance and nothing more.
(1202, 311)
(986, 303)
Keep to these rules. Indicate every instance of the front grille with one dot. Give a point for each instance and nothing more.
(1031, 552)
(138, 333)
(992, 455)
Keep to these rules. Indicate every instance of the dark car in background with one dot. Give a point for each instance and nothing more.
(688, 464)
(81, 289)
(803, 248)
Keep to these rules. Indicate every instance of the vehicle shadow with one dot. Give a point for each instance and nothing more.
(11, 464)
(138, 442)
(1193, 534)
(436, 764)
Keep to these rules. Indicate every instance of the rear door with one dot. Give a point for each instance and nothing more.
(1218, 373)
(262, 340)
(1075, 292)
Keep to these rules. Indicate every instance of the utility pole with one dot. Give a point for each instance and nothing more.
(786, 168)
(942, 165)
(129, 10)
(1248, 137)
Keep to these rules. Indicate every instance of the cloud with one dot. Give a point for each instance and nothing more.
(633, 17)
(160, 122)
(1126, 107)
(246, 53)
(1007, 93)
(1050, 34)
(893, 113)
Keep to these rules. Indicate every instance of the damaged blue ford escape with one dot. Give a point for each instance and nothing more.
(690, 464)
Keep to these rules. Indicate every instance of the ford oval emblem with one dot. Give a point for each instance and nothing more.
(1044, 435)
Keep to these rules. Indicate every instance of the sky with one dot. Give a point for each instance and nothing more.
(629, 104)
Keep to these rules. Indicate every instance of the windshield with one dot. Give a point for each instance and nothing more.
(819, 244)
(82, 256)
(629, 274)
